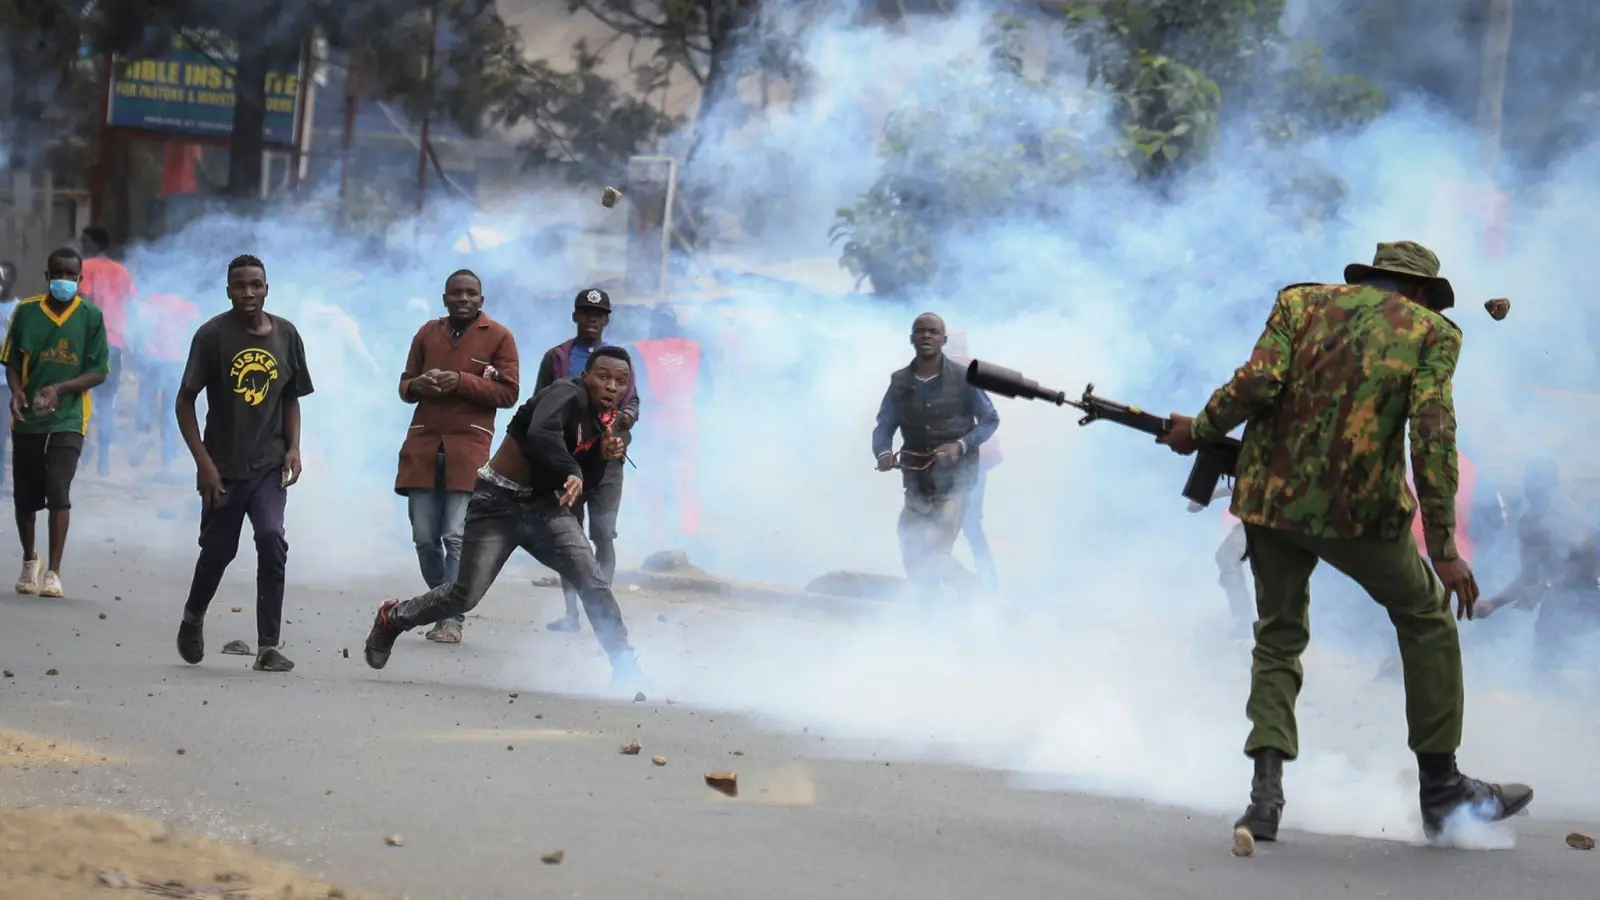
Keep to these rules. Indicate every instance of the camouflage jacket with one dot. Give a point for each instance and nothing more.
(1327, 393)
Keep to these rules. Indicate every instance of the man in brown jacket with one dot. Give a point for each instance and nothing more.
(460, 370)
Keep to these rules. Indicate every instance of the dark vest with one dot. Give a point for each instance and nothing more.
(929, 417)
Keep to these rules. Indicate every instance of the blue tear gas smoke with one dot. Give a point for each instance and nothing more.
(1110, 670)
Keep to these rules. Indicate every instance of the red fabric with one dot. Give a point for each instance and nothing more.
(671, 371)
(108, 286)
(1469, 480)
(170, 325)
(178, 161)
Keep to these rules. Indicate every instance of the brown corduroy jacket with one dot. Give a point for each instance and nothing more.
(462, 422)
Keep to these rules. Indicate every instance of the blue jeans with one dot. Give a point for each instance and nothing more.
(158, 389)
(438, 518)
(982, 556)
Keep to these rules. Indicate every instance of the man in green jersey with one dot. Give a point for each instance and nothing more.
(54, 352)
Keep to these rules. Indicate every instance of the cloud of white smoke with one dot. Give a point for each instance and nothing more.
(1110, 669)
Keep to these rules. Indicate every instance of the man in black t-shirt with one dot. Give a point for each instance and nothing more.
(252, 367)
(558, 441)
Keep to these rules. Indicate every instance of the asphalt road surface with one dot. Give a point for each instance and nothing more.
(481, 779)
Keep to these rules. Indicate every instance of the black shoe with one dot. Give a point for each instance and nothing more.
(270, 660)
(1261, 818)
(191, 643)
(380, 640)
(1442, 796)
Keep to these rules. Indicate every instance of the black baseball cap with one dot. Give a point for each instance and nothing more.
(592, 298)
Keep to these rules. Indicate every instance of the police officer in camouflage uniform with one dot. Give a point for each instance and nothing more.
(1328, 393)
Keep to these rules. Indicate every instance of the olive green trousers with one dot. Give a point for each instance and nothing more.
(1394, 574)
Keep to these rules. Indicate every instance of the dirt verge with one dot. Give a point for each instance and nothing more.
(78, 854)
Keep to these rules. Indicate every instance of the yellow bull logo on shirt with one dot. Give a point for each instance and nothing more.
(253, 372)
(62, 353)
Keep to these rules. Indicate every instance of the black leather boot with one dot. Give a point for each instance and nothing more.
(1444, 790)
(1266, 797)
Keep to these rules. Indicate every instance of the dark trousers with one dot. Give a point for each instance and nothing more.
(1568, 619)
(929, 526)
(498, 522)
(601, 507)
(261, 499)
(1394, 575)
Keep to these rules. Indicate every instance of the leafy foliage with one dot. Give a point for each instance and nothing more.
(480, 76)
(1178, 74)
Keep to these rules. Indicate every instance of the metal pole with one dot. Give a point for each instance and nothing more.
(302, 118)
(97, 184)
(349, 129)
(427, 108)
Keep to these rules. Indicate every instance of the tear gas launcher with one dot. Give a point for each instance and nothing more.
(1214, 461)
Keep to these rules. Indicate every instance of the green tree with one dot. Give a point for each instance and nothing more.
(479, 76)
(1173, 74)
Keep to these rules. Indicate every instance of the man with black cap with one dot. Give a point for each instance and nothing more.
(591, 313)
(1339, 379)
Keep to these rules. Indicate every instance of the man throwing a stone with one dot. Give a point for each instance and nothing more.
(559, 440)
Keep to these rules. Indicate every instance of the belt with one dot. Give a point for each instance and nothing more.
(488, 474)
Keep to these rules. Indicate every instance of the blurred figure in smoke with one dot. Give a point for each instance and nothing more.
(1328, 391)
(601, 502)
(108, 286)
(8, 287)
(54, 354)
(560, 439)
(166, 323)
(1559, 574)
(251, 365)
(988, 458)
(461, 369)
(943, 422)
(669, 377)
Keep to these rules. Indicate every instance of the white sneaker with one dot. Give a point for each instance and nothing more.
(51, 586)
(28, 581)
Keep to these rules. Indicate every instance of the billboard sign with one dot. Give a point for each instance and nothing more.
(188, 90)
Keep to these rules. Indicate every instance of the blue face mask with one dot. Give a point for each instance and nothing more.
(63, 289)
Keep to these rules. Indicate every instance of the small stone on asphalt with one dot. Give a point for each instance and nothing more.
(659, 760)
(51, 672)
(394, 840)
(553, 859)
(723, 783)
(1579, 841)
(631, 748)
